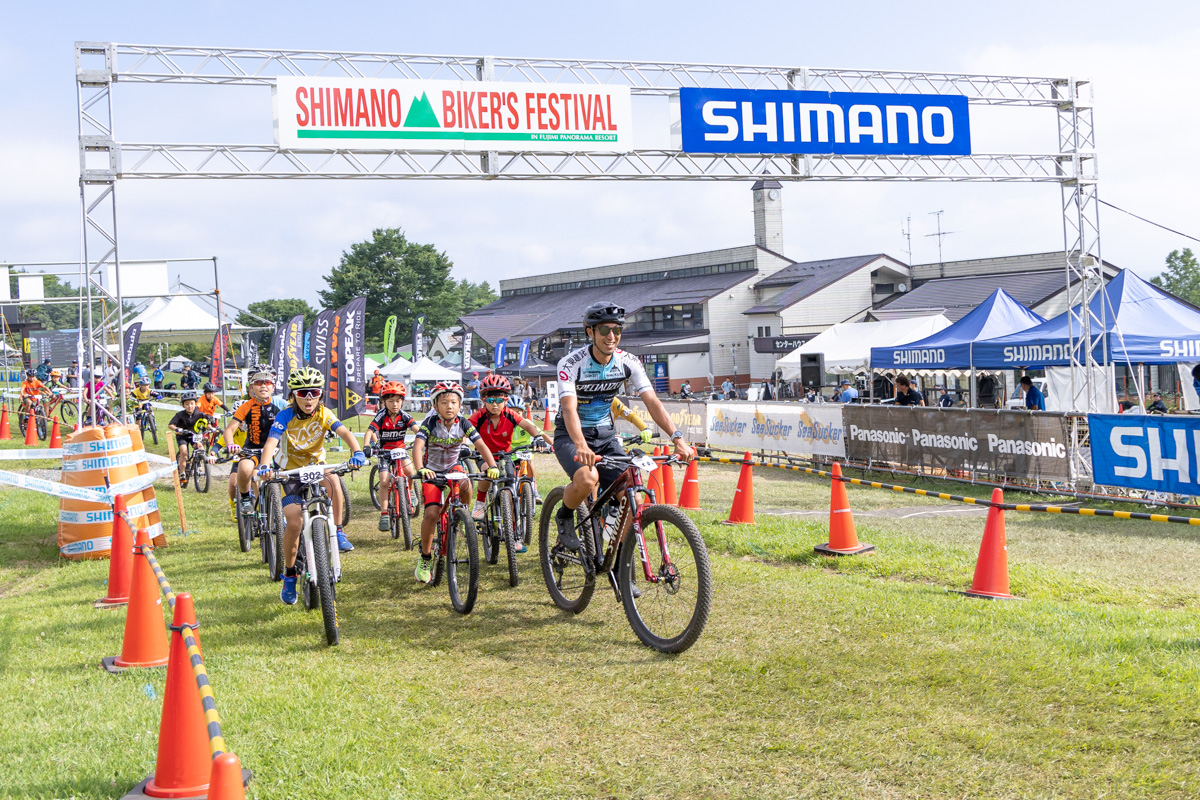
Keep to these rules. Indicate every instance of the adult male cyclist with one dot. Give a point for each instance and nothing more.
(588, 379)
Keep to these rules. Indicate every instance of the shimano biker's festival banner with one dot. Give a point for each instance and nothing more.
(279, 359)
(321, 348)
(132, 334)
(389, 338)
(1154, 453)
(349, 354)
(687, 417)
(418, 338)
(714, 120)
(1012, 443)
(293, 346)
(220, 350)
(794, 428)
(385, 114)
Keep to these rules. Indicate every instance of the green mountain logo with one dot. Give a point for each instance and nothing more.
(420, 114)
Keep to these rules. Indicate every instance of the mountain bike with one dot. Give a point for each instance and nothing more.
(38, 408)
(264, 523)
(413, 485)
(499, 523)
(670, 607)
(318, 562)
(526, 493)
(144, 417)
(455, 531)
(198, 470)
(402, 499)
(68, 412)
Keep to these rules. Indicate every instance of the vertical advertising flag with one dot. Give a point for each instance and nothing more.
(499, 360)
(523, 358)
(321, 347)
(389, 338)
(468, 339)
(132, 334)
(279, 359)
(293, 346)
(307, 339)
(220, 349)
(418, 338)
(250, 343)
(351, 347)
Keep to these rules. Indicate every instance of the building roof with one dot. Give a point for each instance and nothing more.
(956, 297)
(543, 313)
(805, 278)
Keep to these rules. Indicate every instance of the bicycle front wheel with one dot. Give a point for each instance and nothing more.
(275, 528)
(462, 561)
(153, 428)
(673, 608)
(243, 526)
(508, 533)
(203, 473)
(525, 505)
(324, 572)
(569, 584)
(399, 510)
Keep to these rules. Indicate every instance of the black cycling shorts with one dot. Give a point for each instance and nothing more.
(603, 441)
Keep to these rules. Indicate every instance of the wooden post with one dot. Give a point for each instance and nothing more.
(175, 479)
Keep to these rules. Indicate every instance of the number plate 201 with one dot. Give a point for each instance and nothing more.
(313, 474)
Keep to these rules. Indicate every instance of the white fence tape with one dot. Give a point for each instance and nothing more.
(104, 462)
(105, 515)
(29, 455)
(56, 489)
(140, 482)
(101, 543)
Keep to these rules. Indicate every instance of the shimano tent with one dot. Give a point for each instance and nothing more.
(950, 348)
(1132, 322)
(847, 345)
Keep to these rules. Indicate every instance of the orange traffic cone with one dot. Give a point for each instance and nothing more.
(991, 570)
(655, 483)
(689, 498)
(742, 511)
(184, 760)
(55, 436)
(120, 560)
(668, 474)
(31, 437)
(145, 643)
(547, 427)
(228, 780)
(843, 541)
(5, 431)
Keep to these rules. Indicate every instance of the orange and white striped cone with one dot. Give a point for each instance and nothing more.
(843, 540)
(5, 430)
(991, 570)
(228, 780)
(742, 510)
(31, 437)
(145, 643)
(689, 497)
(55, 436)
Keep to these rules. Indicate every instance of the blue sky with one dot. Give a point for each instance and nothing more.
(276, 239)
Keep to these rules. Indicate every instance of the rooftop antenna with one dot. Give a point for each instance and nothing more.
(940, 235)
(906, 232)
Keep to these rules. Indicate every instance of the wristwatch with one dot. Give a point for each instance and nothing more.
(678, 434)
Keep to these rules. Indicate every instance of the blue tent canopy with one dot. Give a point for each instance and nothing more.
(950, 348)
(1140, 323)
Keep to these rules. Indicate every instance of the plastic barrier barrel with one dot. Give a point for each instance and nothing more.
(151, 520)
(90, 455)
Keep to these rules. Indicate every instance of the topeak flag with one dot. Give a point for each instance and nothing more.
(350, 344)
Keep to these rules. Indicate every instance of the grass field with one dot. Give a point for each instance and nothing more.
(849, 678)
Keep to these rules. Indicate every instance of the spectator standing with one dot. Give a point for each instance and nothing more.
(73, 374)
(43, 371)
(849, 393)
(727, 389)
(765, 392)
(907, 394)
(158, 378)
(945, 400)
(473, 391)
(1034, 399)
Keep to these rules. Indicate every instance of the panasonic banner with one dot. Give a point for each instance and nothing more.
(1155, 453)
(794, 428)
(1012, 443)
(804, 122)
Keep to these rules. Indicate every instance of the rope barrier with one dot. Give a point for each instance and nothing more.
(975, 501)
(216, 741)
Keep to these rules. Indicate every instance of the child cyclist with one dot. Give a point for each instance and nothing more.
(258, 415)
(31, 392)
(304, 423)
(388, 428)
(209, 402)
(436, 450)
(183, 425)
(497, 423)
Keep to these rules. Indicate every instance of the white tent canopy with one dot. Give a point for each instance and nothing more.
(847, 345)
(398, 368)
(179, 319)
(427, 370)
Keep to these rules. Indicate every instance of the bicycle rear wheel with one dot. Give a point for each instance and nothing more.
(672, 610)
(570, 585)
(68, 412)
(324, 571)
(462, 556)
(508, 533)
(275, 528)
(153, 428)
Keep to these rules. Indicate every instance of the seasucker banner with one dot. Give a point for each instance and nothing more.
(796, 428)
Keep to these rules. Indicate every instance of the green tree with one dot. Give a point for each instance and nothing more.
(1182, 276)
(474, 296)
(399, 277)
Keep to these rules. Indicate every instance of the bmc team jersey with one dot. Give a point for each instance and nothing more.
(595, 385)
(499, 436)
(444, 439)
(389, 429)
(304, 438)
(258, 418)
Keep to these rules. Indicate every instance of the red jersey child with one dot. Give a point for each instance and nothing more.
(388, 428)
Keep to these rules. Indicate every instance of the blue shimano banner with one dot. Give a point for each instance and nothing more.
(1154, 453)
(844, 123)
